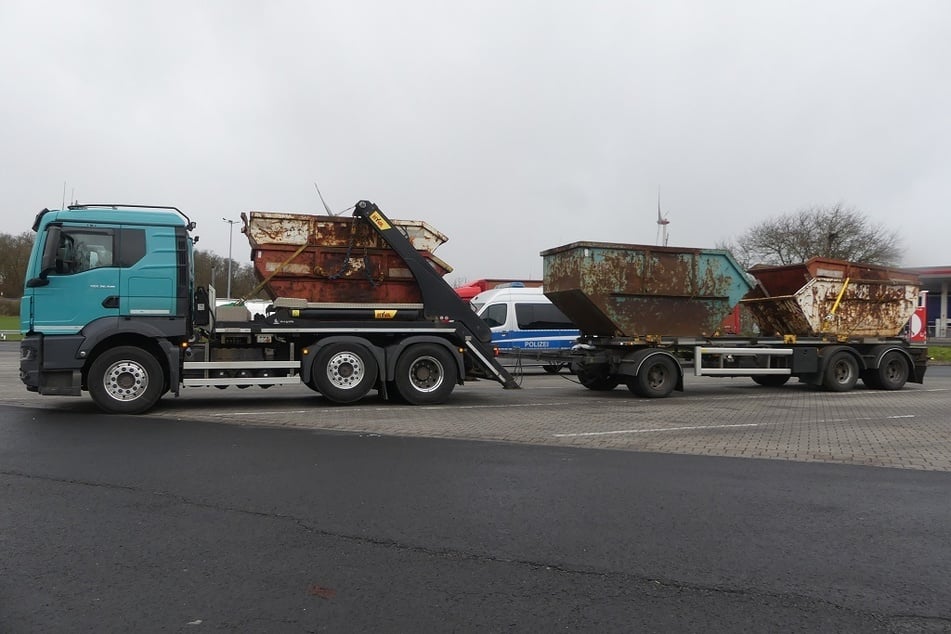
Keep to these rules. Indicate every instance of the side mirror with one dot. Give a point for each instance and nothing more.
(38, 281)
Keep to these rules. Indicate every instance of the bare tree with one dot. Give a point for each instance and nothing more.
(837, 232)
(213, 269)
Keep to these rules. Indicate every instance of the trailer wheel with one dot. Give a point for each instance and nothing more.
(125, 380)
(770, 380)
(344, 372)
(426, 374)
(596, 381)
(892, 373)
(842, 373)
(656, 378)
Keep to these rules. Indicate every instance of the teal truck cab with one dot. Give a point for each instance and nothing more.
(110, 306)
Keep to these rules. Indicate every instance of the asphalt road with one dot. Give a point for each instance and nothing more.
(169, 523)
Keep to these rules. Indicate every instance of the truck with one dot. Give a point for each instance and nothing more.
(648, 314)
(111, 307)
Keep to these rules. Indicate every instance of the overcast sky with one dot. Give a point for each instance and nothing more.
(512, 127)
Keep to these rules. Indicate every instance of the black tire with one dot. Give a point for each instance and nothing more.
(596, 381)
(553, 368)
(426, 374)
(770, 380)
(126, 380)
(656, 378)
(893, 371)
(841, 373)
(344, 372)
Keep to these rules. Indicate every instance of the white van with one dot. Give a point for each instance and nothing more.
(523, 319)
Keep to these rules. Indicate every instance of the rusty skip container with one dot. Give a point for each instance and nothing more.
(824, 297)
(335, 259)
(638, 290)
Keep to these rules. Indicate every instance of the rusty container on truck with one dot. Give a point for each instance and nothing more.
(824, 297)
(639, 290)
(336, 259)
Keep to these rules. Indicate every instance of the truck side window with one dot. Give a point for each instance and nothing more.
(83, 249)
(131, 246)
(495, 315)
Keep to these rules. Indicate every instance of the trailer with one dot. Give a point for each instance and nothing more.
(649, 314)
(111, 307)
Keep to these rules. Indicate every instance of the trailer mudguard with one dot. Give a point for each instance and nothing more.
(827, 353)
(393, 354)
(630, 365)
(916, 370)
(310, 354)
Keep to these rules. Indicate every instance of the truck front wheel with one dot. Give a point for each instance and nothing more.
(425, 374)
(125, 380)
(842, 373)
(344, 372)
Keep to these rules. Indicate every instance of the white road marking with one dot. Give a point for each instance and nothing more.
(390, 408)
(698, 427)
(644, 431)
(867, 418)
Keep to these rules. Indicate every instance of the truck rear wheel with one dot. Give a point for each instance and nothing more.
(656, 378)
(344, 372)
(842, 373)
(893, 371)
(425, 374)
(125, 380)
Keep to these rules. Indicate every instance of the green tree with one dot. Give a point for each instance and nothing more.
(14, 255)
(837, 232)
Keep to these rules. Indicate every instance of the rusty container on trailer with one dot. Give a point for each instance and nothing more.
(824, 297)
(638, 290)
(336, 259)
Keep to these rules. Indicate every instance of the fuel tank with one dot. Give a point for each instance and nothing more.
(832, 297)
(335, 258)
(639, 290)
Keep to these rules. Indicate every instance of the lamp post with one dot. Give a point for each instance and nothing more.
(231, 224)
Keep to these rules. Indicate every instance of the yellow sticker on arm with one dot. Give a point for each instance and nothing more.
(379, 221)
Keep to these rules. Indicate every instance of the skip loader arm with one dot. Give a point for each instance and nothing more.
(439, 299)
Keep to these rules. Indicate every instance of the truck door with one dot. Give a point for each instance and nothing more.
(83, 280)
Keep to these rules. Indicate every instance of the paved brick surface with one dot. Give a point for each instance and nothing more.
(909, 429)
